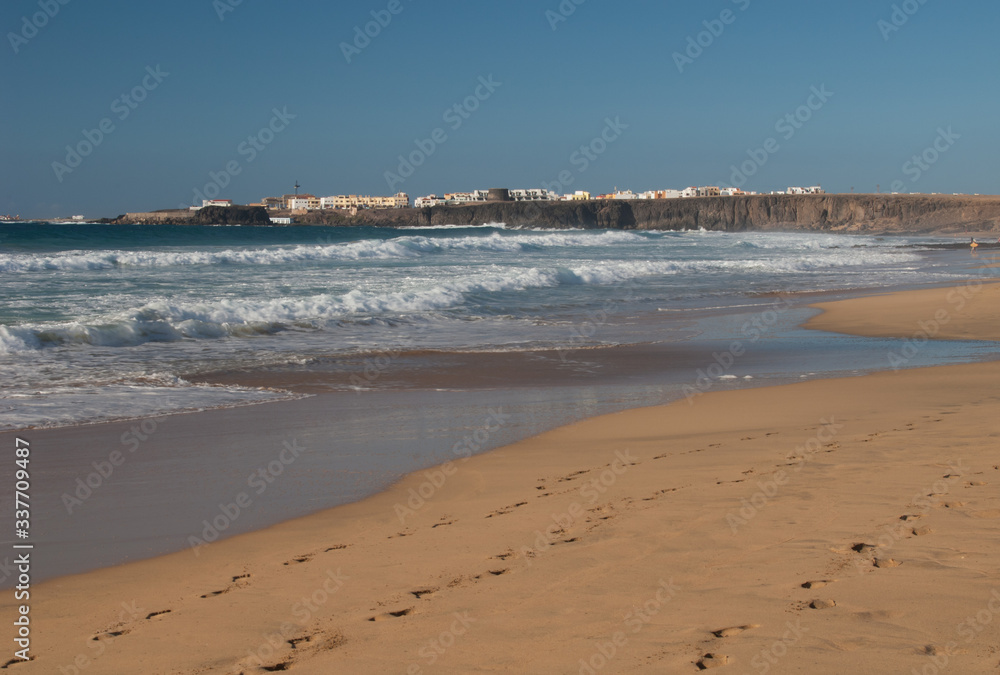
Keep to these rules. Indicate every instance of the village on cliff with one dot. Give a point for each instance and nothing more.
(299, 204)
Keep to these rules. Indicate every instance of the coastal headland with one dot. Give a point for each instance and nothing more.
(830, 526)
(844, 213)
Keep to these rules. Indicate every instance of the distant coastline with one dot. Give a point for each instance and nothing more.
(847, 213)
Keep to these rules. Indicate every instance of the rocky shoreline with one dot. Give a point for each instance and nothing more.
(870, 214)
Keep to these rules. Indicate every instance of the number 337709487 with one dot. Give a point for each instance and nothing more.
(22, 512)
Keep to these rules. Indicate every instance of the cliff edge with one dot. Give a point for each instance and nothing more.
(870, 214)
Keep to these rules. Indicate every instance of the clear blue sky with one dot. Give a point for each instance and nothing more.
(892, 91)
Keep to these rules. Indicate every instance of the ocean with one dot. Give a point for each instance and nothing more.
(333, 361)
(102, 322)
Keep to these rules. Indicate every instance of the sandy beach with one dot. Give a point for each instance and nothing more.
(832, 526)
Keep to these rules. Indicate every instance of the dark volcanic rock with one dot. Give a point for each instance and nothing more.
(231, 215)
(820, 213)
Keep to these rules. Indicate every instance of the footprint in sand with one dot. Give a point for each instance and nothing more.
(284, 665)
(109, 635)
(821, 603)
(450, 522)
(295, 642)
(915, 516)
(18, 660)
(711, 660)
(392, 615)
(922, 531)
(507, 509)
(734, 630)
(885, 563)
(338, 547)
(236, 584)
(424, 592)
(155, 614)
(215, 593)
(820, 583)
(299, 560)
(658, 493)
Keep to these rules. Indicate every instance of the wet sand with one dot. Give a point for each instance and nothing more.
(831, 526)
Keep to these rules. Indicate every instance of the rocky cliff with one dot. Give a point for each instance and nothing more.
(828, 213)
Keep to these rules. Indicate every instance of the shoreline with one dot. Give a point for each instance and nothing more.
(356, 446)
(635, 539)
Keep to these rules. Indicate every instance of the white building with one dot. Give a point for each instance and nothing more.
(281, 221)
(212, 202)
(813, 190)
(467, 197)
(533, 195)
(298, 203)
(626, 194)
(662, 194)
(707, 191)
(429, 200)
(399, 200)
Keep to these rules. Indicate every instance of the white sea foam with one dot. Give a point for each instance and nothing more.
(76, 338)
(372, 249)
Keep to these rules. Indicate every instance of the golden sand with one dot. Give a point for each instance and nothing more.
(832, 526)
